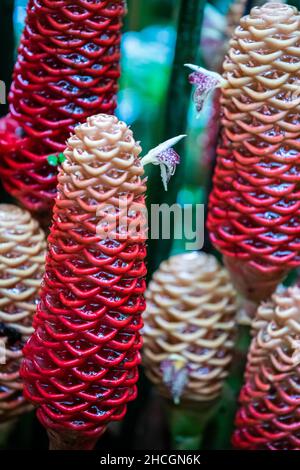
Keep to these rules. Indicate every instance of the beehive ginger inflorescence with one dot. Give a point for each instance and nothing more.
(253, 213)
(67, 69)
(189, 328)
(269, 415)
(22, 259)
(80, 366)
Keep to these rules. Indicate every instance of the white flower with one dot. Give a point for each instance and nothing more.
(205, 81)
(165, 156)
(175, 373)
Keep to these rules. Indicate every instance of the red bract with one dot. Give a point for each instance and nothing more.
(269, 417)
(80, 365)
(255, 201)
(67, 70)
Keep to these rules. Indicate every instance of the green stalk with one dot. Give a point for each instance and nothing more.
(133, 19)
(210, 426)
(187, 49)
(219, 432)
(188, 425)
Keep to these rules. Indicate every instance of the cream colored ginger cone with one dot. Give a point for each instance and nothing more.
(22, 258)
(254, 205)
(189, 328)
(268, 418)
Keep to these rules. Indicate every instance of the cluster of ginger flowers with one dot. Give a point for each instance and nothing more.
(80, 366)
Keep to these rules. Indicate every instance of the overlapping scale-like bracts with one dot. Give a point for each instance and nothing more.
(269, 417)
(67, 70)
(189, 327)
(255, 201)
(22, 258)
(80, 365)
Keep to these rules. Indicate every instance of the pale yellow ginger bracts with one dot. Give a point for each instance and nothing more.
(269, 417)
(80, 366)
(22, 258)
(254, 205)
(189, 327)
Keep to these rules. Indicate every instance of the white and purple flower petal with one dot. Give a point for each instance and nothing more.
(205, 81)
(166, 157)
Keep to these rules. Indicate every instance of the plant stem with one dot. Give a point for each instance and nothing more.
(187, 48)
(219, 432)
(188, 425)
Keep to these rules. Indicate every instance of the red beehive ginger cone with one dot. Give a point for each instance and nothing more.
(67, 70)
(269, 417)
(253, 218)
(189, 328)
(80, 365)
(22, 258)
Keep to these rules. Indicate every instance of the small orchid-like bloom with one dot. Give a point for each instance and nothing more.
(205, 82)
(165, 156)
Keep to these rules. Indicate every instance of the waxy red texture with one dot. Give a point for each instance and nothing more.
(80, 365)
(254, 206)
(269, 414)
(67, 70)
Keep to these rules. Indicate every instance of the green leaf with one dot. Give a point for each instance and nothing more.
(52, 160)
(61, 158)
